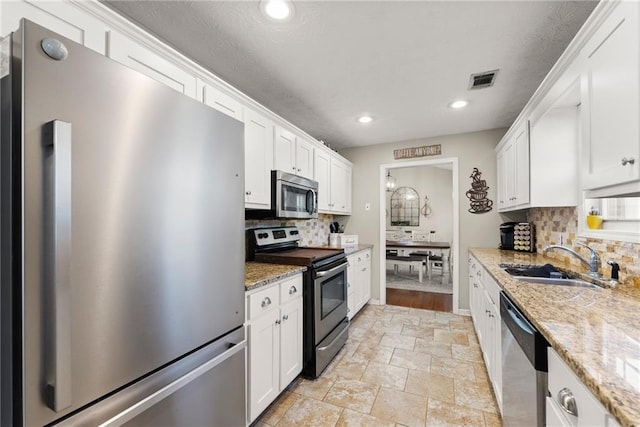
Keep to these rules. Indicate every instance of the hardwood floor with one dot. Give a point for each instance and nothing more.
(418, 299)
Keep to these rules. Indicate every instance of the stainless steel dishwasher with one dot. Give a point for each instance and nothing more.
(524, 368)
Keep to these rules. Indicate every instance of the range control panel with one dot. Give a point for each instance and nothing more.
(261, 237)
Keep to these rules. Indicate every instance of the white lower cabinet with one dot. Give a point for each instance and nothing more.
(358, 281)
(485, 312)
(275, 342)
(570, 403)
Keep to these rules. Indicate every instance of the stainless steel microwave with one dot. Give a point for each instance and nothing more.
(292, 196)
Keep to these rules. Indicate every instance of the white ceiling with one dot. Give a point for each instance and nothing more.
(400, 61)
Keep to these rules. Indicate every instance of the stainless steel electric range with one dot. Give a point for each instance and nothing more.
(325, 324)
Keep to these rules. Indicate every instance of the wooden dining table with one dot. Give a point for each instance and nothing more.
(443, 248)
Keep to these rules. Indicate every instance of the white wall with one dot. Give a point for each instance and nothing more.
(472, 150)
(434, 182)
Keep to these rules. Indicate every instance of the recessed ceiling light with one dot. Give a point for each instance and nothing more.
(277, 10)
(456, 105)
(364, 119)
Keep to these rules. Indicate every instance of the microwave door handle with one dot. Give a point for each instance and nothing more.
(311, 201)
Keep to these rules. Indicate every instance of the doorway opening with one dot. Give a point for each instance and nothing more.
(419, 234)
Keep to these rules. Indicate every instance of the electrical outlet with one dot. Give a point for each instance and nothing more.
(367, 206)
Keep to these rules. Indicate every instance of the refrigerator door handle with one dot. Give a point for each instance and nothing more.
(57, 134)
(173, 387)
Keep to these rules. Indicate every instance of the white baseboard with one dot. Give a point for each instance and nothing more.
(374, 301)
(464, 312)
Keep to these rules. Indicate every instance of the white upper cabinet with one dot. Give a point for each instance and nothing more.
(258, 160)
(304, 158)
(611, 101)
(284, 150)
(292, 154)
(513, 170)
(219, 100)
(340, 187)
(321, 173)
(62, 17)
(334, 183)
(140, 58)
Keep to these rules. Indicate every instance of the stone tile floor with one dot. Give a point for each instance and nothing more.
(400, 367)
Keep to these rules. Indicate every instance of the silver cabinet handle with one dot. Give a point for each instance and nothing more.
(285, 317)
(58, 136)
(293, 290)
(568, 402)
(265, 302)
(630, 161)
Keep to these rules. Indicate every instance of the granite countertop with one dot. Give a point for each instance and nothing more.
(259, 274)
(595, 331)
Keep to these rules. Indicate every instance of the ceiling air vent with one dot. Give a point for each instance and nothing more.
(482, 80)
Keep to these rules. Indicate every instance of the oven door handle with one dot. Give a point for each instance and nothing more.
(342, 266)
(344, 331)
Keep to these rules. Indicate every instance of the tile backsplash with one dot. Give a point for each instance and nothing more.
(313, 232)
(552, 224)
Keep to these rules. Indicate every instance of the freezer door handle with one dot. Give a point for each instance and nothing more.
(57, 136)
(146, 403)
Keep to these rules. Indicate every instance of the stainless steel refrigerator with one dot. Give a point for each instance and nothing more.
(122, 254)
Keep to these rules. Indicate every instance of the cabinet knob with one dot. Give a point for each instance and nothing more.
(248, 193)
(285, 317)
(630, 161)
(278, 322)
(299, 170)
(475, 285)
(479, 273)
(293, 290)
(568, 402)
(265, 302)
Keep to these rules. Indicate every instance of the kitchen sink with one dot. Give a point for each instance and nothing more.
(557, 281)
(545, 275)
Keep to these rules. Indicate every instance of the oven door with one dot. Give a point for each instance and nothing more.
(296, 197)
(330, 298)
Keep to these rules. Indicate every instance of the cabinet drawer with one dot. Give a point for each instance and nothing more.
(290, 289)
(263, 301)
(561, 378)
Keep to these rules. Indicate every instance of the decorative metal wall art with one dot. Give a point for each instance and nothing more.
(478, 194)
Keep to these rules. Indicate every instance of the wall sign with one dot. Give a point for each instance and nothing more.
(409, 153)
(477, 194)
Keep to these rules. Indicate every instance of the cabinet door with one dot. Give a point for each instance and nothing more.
(62, 17)
(351, 285)
(284, 149)
(365, 277)
(290, 341)
(139, 58)
(488, 334)
(258, 160)
(496, 344)
(219, 100)
(612, 101)
(321, 171)
(502, 180)
(304, 158)
(521, 173)
(264, 362)
(509, 173)
(340, 187)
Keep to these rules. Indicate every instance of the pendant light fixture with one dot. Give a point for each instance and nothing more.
(391, 182)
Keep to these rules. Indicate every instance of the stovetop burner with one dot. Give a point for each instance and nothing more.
(279, 245)
(300, 256)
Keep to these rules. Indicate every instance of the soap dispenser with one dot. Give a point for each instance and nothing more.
(615, 269)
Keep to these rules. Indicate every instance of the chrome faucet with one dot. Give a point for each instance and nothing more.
(593, 263)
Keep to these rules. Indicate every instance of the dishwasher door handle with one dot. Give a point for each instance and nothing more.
(522, 324)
